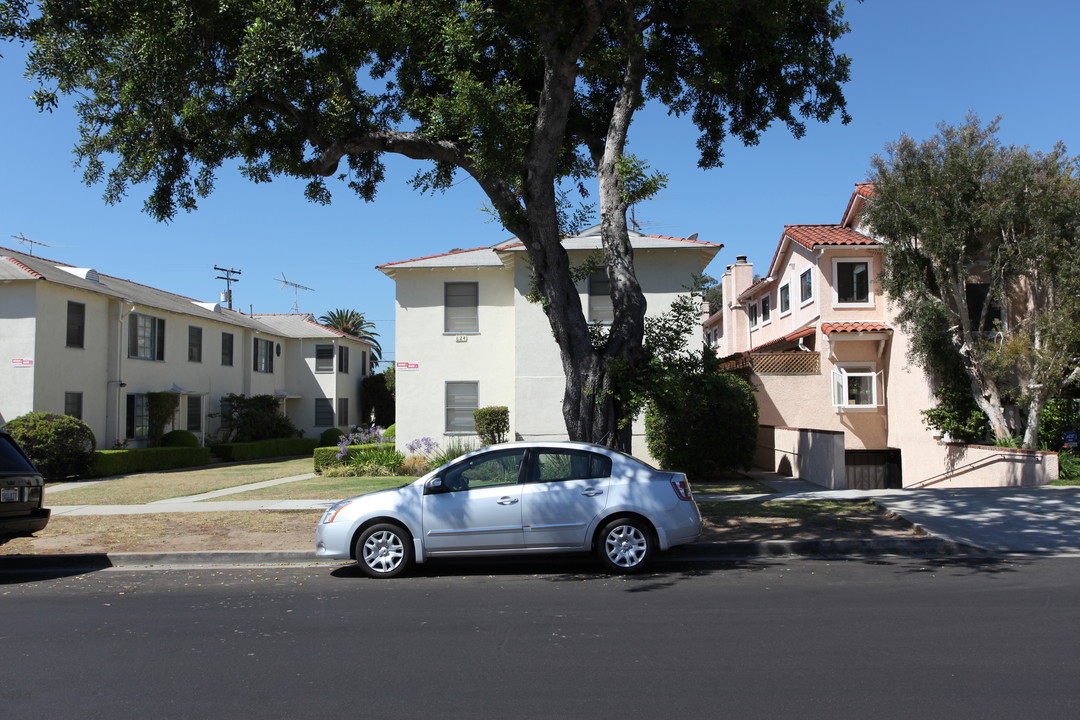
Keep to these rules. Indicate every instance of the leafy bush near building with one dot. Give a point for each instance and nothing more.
(703, 425)
(262, 449)
(60, 446)
(325, 457)
(377, 400)
(492, 424)
(330, 436)
(180, 438)
(122, 462)
(259, 417)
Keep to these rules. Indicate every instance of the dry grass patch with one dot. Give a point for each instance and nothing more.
(149, 487)
(320, 488)
(171, 532)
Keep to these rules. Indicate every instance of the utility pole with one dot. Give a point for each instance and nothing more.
(229, 280)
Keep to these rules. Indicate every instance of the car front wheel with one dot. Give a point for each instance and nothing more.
(625, 545)
(384, 551)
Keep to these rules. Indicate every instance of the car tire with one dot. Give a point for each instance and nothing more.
(625, 545)
(384, 550)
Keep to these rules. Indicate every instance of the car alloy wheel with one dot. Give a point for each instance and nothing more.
(626, 545)
(384, 551)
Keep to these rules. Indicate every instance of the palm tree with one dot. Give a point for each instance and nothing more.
(352, 322)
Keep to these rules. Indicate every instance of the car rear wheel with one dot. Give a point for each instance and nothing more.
(384, 550)
(625, 545)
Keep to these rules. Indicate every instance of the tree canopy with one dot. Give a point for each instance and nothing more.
(981, 242)
(353, 322)
(532, 99)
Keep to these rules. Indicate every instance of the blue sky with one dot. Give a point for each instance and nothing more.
(915, 63)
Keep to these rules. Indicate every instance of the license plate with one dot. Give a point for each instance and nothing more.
(9, 494)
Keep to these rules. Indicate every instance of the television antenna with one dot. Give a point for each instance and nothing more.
(23, 240)
(296, 288)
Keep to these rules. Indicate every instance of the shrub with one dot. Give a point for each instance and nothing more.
(415, 466)
(259, 417)
(160, 410)
(377, 400)
(261, 449)
(122, 462)
(180, 438)
(391, 431)
(1068, 468)
(330, 436)
(326, 457)
(378, 461)
(60, 446)
(453, 451)
(704, 425)
(492, 424)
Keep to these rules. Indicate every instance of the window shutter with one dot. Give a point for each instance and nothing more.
(130, 416)
(160, 353)
(133, 336)
(255, 355)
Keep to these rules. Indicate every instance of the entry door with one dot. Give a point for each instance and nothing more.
(481, 509)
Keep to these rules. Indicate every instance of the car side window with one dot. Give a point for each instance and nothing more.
(503, 468)
(556, 465)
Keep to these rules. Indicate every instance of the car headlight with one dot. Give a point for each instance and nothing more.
(333, 510)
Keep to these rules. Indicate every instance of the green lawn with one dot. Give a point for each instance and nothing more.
(148, 487)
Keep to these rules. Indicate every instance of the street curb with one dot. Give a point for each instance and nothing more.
(703, 551)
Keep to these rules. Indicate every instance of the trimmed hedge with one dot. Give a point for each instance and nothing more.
(122, 462)
(180, 438)
(492, 424)
(330, 436)
(328, 455)
(259, 449)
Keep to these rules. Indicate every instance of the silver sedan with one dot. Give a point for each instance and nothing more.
(527, 497)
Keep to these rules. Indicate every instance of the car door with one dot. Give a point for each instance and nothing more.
(567, 490)
(478, 506)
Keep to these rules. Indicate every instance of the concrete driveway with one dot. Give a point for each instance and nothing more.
(1026, 520)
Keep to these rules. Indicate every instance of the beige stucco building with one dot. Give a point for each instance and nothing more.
(468, 337)
(76, 341)
(838, 400)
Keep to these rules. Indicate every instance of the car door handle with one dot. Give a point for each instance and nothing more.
(592, 492)
(507, 500)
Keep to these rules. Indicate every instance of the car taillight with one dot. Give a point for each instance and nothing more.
(682, 487)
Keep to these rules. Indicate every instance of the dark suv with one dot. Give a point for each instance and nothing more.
(22, 491)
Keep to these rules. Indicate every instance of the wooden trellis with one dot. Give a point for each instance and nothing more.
(786, 363)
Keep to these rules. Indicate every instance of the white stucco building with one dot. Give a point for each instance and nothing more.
(468, 337)
(76, 341)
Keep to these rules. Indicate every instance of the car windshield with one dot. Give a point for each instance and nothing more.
(12, 462)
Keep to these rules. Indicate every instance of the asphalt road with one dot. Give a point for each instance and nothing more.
(764, 638)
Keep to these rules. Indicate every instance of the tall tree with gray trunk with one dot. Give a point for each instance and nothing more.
(529, 98)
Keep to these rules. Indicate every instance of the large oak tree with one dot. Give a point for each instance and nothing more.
(529, 98)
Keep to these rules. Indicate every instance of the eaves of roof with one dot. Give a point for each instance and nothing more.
(854, 327)
(800, 333)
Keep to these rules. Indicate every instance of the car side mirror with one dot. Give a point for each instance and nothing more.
(435, 486)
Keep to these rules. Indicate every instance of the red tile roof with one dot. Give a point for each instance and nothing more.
(865, 189)
(800, 333)
(811, 236)
(21, 266)
(429, 257)
(854, 327)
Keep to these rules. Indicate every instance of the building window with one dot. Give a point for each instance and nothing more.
(343, 411)
(766, 309)
(601, 309)
(806, 287)
(146, 337)
(138, 416)
(785, 299)
(343, 360)
(194, 413)
(752, 313)
(324, 412)
(851, 282)
(194, 344)
(227, 349)
(978, 294)
(462, 307)
(264, 356)
(73, 404)
(324, 358)
(856, 386)
(363, 363)
(76, 324)
(462, 399)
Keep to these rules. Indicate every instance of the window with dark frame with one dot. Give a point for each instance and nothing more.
(76, 324)
(324, 412)
(324, 358)
(194, 344)
(461, 307)
(785, 298)
(852, 281)
(138, 416)
(766, 309)
(73, 404)
(227, 349)
(806, 286)
(264, 356)
(343, 360)
(146, 337)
